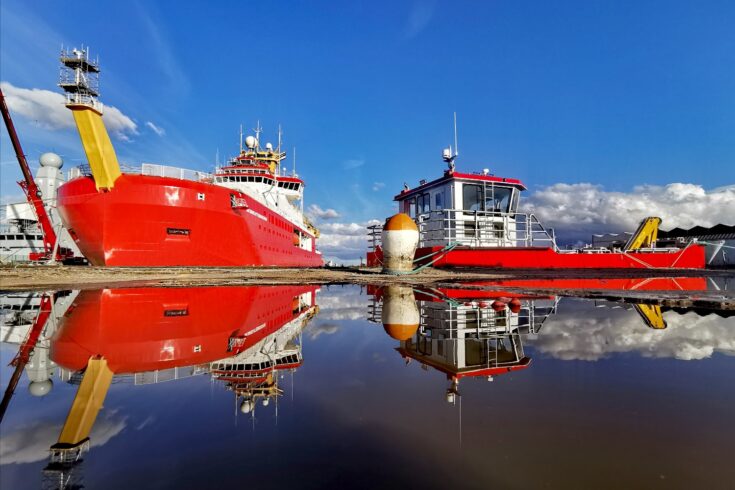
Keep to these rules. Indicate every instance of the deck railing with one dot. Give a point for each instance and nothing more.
(476, 229)
(149, 169)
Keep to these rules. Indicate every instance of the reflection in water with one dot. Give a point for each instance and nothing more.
(232, 347)
(242, 336)
(479, 335)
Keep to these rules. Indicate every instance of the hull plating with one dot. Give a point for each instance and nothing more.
(691, 257)
(160, 221)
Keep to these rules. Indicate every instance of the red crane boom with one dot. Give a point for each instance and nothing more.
(31, 190)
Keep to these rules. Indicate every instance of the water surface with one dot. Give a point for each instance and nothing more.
(308, 387)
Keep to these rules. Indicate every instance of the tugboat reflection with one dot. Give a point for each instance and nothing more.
(478, 335)
(480, 332)
(240, 335)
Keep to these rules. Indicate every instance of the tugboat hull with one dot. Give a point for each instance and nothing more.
(691, 257)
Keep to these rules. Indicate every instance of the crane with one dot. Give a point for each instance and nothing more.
(33, 194)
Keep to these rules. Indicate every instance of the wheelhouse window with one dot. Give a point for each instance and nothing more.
(412, 207)
(488, 197)
(439, 200)
(472, 197)
(499, 200)
(423, 203)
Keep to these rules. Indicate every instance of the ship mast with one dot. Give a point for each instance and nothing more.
(79, 78)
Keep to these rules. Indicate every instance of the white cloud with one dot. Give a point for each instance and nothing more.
(31, 443)
(316, 213)
(46, 109)
(576, 211)
(321, 328)
(378, 185)
(602, 332)
(156, 129)
(342, 303)
(353, 163)
(345, 241)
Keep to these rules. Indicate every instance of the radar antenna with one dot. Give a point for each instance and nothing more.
(448, 155)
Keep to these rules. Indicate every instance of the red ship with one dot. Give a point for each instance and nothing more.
(472, 220)
(248, 213)
(150, 329)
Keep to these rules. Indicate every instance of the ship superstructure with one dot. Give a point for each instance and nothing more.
(246, 213)
(473, 220)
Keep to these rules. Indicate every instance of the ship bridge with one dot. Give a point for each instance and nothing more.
(471, 209)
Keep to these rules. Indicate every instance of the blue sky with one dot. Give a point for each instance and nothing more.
(615, 94)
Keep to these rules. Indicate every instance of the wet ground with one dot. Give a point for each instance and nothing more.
(484, 385)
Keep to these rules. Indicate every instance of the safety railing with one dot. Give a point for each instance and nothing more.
(149, 169)
(476, 229)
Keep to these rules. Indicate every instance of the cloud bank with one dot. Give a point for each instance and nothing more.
(344, 241)
(46, 109)
(576, 211)
(316, 213)
(591, 335)
(31, 443)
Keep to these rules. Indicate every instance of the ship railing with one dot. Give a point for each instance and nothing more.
(374, 236)
(475, 229)
(152, 169)
(482, 229)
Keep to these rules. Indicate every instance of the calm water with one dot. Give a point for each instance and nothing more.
(307, 387)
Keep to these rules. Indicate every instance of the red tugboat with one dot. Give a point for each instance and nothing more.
(472, 220)
(248, 213)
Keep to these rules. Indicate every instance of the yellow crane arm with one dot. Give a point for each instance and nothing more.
(87, 404)
(651, 315)
(645, 236)
(97, 145)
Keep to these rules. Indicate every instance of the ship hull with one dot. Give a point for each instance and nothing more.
(691, 257)
(148, 329)
(161, 221)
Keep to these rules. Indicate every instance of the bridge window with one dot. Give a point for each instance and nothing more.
(472, 197)
(439, 200)
(500, 199)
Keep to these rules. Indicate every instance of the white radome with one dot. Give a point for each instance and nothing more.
(40, 388)
(51, 160)
(251, 142)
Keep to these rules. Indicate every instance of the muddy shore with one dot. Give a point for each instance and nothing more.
(38, 278)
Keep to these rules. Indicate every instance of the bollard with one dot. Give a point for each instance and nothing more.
(400, 237)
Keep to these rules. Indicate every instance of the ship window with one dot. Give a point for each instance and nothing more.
(423, 203)
(438, 201)
(412, 208)
(514, 202)
(472, 198)
(500, 199)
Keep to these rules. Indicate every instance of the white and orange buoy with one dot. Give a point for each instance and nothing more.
(400, 238)
(400, 315)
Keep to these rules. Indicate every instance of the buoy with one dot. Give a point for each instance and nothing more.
(400, 314)
(498, 305)
(515, 305)
(400, 237)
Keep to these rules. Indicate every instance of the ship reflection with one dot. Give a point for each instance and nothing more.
(469, 335)
(479, 330)
(241, 336)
